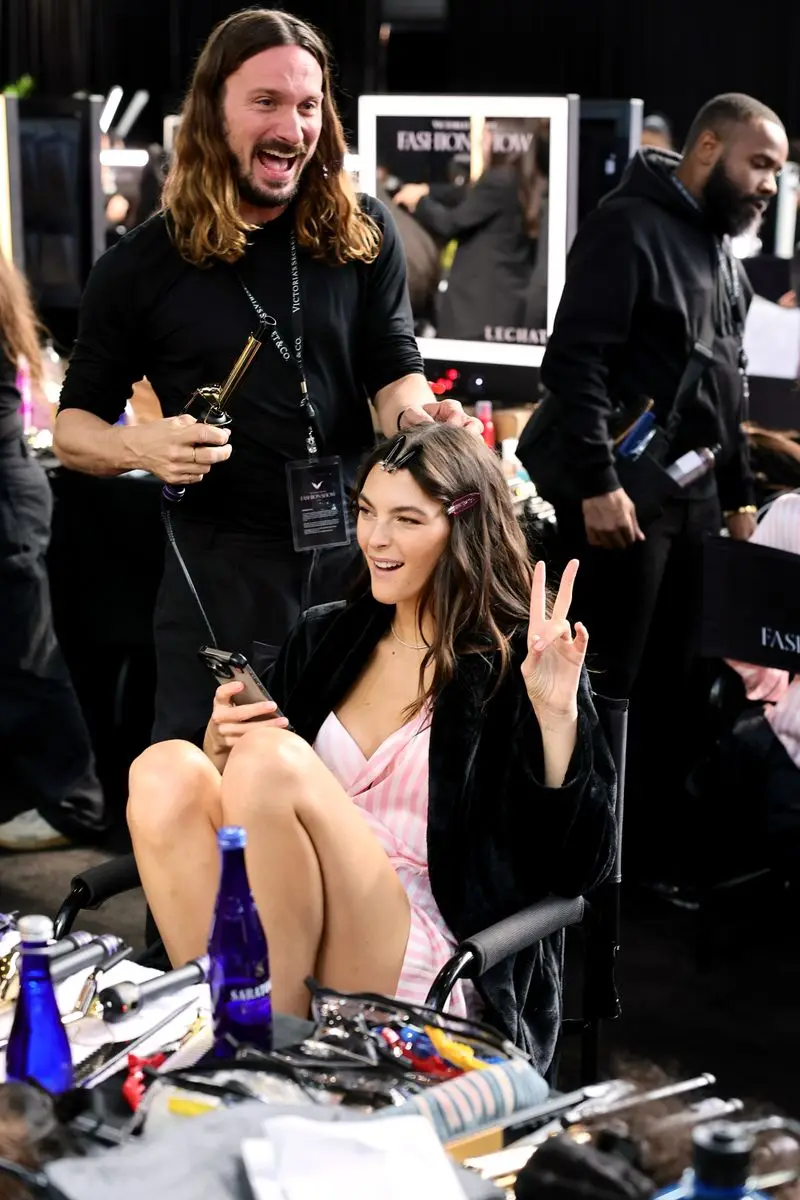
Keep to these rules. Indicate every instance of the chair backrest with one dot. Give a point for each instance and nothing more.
(613, 714)
(600, 996)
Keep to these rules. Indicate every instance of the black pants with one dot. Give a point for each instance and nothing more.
(44, 742)
(253, 592)
(642, 607)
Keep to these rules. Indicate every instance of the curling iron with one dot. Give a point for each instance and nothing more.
(124, 999)
(208, 405)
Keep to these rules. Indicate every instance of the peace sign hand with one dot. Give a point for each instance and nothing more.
(552, 668)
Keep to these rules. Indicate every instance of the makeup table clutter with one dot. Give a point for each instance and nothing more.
(369, 1097)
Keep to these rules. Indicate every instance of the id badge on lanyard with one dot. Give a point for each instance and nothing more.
(733, 286)
(317, 501)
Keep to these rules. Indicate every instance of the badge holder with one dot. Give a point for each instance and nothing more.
(208, 404)
(317, 503)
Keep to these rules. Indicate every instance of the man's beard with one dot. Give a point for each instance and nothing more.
(260, 197)
(729, 211)
(264, 195)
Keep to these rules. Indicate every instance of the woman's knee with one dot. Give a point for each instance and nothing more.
(268, 768)
(165, 783)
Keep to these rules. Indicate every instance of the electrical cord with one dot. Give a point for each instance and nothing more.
(166, 517)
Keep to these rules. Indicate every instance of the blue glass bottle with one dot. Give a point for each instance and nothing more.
(38, 1047)
(721, 1154)
(241, 990)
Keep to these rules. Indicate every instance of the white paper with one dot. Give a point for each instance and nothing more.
(772, 340)
(258, 1157)
(362, 1159)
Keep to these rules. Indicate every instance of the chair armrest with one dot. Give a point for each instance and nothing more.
(108, 879)
(94, 886)
(523, 929)
(477, 954)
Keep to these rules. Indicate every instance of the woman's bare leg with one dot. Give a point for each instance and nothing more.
(174, 812)
(330, 901)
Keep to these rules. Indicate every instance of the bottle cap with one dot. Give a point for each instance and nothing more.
(232, 837)
(721, 1154)
(35, 929)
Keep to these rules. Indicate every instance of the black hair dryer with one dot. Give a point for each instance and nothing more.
(208, 405)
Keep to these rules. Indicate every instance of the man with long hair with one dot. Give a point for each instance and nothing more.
(260, 222)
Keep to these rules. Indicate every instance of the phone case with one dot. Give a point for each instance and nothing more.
(227, 667)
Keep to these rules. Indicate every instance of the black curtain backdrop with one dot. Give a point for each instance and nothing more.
(90, 45)
(674, 57)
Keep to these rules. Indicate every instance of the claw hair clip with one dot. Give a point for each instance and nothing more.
(463, 504)
(398, 456)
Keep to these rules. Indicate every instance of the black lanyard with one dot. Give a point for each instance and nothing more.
(306, 407)
(733, 286)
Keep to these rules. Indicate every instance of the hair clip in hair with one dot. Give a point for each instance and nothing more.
(398, 456)
(463, 504)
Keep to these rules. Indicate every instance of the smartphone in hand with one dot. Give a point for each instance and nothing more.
(229, 666)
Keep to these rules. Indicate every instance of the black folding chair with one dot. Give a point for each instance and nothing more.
(599, 913)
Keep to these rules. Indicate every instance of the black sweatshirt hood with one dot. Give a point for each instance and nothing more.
(650, 176)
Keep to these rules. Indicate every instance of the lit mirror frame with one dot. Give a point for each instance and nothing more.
(12, 239)
(555, 109)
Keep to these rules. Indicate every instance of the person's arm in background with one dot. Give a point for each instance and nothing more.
(594, 319)
(390, 362)
(736, 489)
(105, 364)
(480, 203)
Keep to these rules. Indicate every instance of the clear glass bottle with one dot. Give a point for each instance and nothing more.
(693, 465)
(239, 978)
(38, 1046)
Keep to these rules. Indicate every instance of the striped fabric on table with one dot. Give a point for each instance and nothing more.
(477, 1098)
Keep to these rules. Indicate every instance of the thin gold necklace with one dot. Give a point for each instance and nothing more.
(408, 645)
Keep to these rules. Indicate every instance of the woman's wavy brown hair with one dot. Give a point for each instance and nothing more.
(479, 592)
(201, 193)
(20, 328)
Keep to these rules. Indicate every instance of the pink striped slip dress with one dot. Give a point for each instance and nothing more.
(391, 791)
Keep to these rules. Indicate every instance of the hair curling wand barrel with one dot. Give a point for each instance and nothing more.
(124, 999)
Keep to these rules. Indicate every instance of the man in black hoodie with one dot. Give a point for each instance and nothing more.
(651, 273)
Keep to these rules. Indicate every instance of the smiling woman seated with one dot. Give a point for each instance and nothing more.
(447, 767)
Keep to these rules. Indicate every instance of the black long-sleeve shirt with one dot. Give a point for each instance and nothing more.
(148, 312)
(643, 285)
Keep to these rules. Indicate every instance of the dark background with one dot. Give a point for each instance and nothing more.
(674, 58)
